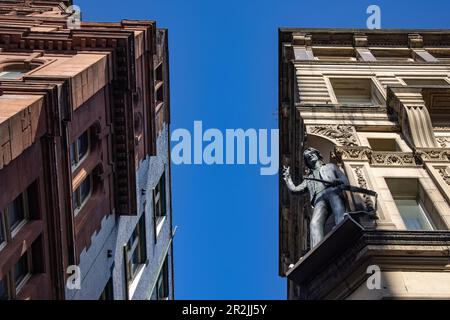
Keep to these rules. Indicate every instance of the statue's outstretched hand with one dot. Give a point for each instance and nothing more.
(286, 173)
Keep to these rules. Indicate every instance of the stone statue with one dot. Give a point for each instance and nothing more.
(324, 186)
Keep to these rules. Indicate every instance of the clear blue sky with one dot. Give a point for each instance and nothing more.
(223, 59)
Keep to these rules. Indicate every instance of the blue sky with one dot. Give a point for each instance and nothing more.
(223, 60)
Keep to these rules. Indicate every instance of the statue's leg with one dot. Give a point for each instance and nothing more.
(317, 224)
(337, 206)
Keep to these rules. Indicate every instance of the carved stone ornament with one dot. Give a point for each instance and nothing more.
(343, 135)
(351, 153)
(362, 183)
(444, 174)
(433, 154)
(443, 141)
(375, 158)
(392, 159)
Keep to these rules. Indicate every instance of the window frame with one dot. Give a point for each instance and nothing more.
(139, 244)
(159, 205)
(7, 286)
(405, 78)
(9, 231)
(19, 286)
(13, 288)
(163, 281)
(371, 140)
(412, 192)
(425, 214)
(378, 94)
(77, 159)
(77, 193)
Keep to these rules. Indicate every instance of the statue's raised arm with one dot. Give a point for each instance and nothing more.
(290, 184)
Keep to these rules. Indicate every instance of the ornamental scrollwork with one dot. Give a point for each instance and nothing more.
(344, 135)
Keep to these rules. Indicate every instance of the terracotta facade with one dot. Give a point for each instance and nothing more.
(80, 112)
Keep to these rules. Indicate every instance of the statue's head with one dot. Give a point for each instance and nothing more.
(311, 156)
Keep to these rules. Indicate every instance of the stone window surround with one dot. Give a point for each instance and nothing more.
(433, 200)
(414, 54)
(372, 76)
(364, 136)
(402, 78)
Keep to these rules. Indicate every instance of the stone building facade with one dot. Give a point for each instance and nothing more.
(85, 192)
(376, 103)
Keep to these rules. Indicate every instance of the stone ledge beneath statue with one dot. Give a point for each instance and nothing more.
(338, 265)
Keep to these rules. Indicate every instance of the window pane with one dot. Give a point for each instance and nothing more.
(85, 189)
(83, 145)
(11, 74)
(108, 292)
(135, 261)
(413, 214)
(2, 231)
(426, 82)
(354, 91)
(3, 290)
(16, 212)
(163, 282)
(383, 144)
(21, 269)
(160, 198)
(75, 202)
(162, 189)
(73, 160)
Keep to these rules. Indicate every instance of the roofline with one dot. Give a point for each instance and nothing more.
(360, 30)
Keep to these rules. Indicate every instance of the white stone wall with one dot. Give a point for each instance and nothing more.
(97, 268)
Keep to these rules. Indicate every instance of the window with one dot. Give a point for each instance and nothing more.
(81, 195)
(409, 203)
(22, 270)
(18, 275)
(413, 214)
(334, 54)
(159, 84)
(3, 289)
(13, 75)
(426, 82)
(108, 292)
(160, 198)
(13, 217)
(15, 212)
(443, 55)
(383, 144)
(163, 282)
(356, 91)
(2, 233)
(136, 249)
(398, 55)
(79, 149)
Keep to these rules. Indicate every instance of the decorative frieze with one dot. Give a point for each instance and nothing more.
(341, 135)
(444, 174)
(444, 142)
(392, 159)
(433, 154)
(362, 183)
(351, 153)
(375, 158)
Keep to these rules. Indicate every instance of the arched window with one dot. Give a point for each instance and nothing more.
(17, 69)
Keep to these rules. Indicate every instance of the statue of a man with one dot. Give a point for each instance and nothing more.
(326, 198)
